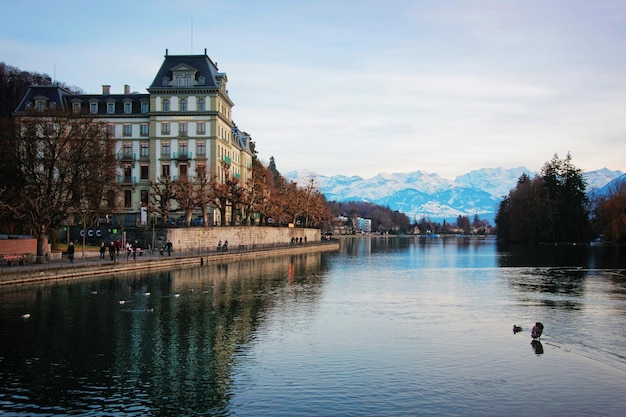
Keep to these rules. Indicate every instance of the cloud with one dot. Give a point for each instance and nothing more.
(360, 87)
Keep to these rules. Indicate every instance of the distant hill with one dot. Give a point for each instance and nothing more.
(419, 194)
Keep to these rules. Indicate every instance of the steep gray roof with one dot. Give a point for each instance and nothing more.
(63, 100)
(53, 94)
(206, 72)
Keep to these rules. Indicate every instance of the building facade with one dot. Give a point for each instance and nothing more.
(181, 128)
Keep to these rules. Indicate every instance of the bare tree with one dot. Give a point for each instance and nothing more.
(610, 214)
(161, 195)
(204, 194)
(98, 186)
(58, 158)
(224, 193)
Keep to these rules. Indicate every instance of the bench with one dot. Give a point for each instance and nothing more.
(13, 259)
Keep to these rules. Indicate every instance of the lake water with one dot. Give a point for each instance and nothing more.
(384, 327)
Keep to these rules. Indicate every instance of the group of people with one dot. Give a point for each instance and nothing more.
(168, 247)
(222, 247)
(295, 240)
(114, 249)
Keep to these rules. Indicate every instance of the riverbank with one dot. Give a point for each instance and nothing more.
(91, 264)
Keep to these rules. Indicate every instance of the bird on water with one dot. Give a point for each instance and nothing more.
(537, 330)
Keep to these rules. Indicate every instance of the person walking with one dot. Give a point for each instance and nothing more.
(70, 252)
(112, 250)
(103, 250)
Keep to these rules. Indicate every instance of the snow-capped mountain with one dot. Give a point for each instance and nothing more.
(419, 194)
(611, 186)
(601, 178)
(496, 181)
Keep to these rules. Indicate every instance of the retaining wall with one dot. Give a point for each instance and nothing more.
(206, 238)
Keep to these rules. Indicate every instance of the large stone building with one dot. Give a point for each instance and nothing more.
(183, 126)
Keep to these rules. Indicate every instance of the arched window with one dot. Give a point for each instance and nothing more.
(166, 104)
(201, 104)
(183, 104)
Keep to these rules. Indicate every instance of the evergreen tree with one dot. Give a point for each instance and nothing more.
(549, 208)
(272, 167)
(568, 216)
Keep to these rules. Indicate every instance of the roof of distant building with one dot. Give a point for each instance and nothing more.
(204, 70)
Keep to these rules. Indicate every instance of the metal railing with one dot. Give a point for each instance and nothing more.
(126, 179)
(182, 155)
(126, 156)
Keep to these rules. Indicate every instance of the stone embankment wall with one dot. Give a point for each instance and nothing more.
(245, 237)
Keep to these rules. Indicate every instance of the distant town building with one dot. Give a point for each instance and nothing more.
(366, 225)
(183, 126)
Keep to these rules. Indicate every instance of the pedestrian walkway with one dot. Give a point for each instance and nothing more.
(90, 263)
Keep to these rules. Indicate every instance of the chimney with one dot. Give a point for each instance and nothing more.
(106, 90)
(126, 89)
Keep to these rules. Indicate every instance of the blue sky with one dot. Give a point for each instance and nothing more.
(360, 87)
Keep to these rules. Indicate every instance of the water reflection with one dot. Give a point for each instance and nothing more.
(537, 347)
(387, 326)
(572, 256)
(173, 342)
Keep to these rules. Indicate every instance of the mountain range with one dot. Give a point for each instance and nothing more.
(420, 194)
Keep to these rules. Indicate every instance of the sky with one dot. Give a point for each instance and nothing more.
(362, 87)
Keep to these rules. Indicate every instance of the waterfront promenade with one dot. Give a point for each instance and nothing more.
(90, 264)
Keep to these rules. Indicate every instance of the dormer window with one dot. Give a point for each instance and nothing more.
(145, 107)
(183, 80)
(110, 107)
(128, 107)
(76, 107)
(93, 107)
(40, 105)
(184, 75)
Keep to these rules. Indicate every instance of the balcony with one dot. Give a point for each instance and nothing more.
(227, 160)
(126, 156)
(126, 180)
(182, 156)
